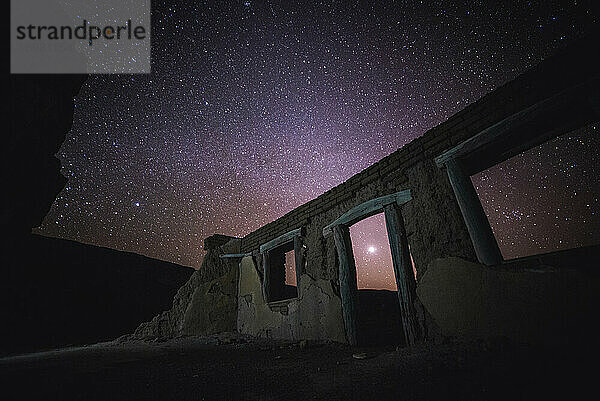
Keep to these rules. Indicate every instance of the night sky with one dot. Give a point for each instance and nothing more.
(253, 109)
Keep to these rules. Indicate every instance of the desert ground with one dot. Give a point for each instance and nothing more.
(230, 366)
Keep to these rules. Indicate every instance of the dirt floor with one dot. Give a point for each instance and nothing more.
(231, 366)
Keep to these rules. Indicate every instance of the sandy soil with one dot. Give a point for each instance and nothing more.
(231, 366)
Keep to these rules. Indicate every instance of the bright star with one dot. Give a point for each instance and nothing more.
(371, 249)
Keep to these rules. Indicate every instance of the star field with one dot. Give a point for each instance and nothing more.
(547, 198)
(253, 109)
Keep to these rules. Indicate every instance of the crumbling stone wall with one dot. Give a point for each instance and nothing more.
(436, 231)
(207, 302)
(524, 305)
(434, 223)
(256, 317)
(316, 313)
(435, 226)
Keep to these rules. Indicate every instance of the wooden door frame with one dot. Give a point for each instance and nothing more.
(340, 228)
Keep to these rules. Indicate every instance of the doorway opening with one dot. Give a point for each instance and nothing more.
(360, 333)
(379, 320)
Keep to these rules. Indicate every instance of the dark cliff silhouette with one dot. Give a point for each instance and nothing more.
(57, 292)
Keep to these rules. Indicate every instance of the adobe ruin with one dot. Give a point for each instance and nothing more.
(463, 287)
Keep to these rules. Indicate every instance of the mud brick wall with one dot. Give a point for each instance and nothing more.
(434, 224)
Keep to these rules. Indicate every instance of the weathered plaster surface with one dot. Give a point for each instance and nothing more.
(191, 313)
(434, 223)
(213, 308)
(470, 299)
(316, 314)
(255, 317)
(449, 301)
(321, 310)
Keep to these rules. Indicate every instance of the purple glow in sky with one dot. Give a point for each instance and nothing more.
(372, 254)
(254, 108)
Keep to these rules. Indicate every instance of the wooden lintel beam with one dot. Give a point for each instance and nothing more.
(282, 239)
(577, 101)
(235, 255)
(367, 209)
